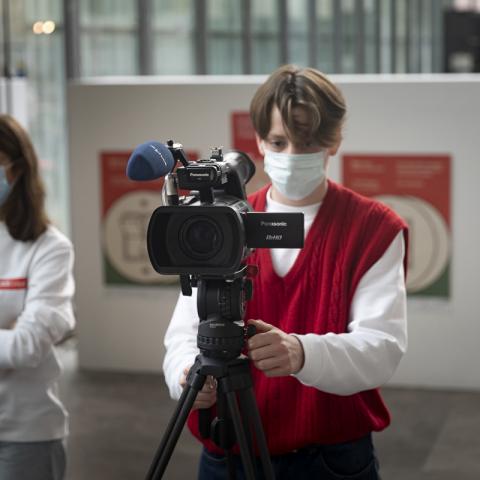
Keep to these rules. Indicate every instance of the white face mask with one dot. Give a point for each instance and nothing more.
(295, 175)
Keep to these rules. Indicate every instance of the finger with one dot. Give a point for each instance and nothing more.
(211, 381)
(183, 378)
(204, 400)
(268, 364)
(262, 339)
(260, 325)
(263, 352)
(277, 360)
(206, 397)
(185, 372)
(209, 385)
(276, 372)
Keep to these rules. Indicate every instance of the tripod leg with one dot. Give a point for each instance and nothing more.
(246, 422)
(248, 398)
(223, 432)
(247, 459)
(174, 428)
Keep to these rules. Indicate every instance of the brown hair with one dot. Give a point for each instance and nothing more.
(24, 209)
(291, 87)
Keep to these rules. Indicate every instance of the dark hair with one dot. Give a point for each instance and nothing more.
(291, 87)
(24, 209)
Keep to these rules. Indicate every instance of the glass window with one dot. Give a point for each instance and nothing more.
(426, 37)
(414, 19)
(401, 37)
(173, 34)
(265, 36)
(385, 36)
(298, 25)
(224, 37)
(108, 37)
(371, 35)
(325, 36)
(37, 55)
(349, 30)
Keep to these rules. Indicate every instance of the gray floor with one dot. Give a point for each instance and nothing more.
(117, 420)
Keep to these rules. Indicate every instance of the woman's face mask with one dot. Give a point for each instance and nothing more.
(297, 175)
(5, 186)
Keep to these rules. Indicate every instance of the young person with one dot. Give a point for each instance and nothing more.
(36, 289)
(331, 317)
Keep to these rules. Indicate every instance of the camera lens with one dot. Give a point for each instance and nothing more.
(201, 238)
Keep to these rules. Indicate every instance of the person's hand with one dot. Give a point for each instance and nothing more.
(273, 351)
(9, 326)
(207, 396)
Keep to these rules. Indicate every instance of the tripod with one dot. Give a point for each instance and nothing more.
(220, 304)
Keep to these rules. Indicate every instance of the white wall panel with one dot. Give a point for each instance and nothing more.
(123, 328)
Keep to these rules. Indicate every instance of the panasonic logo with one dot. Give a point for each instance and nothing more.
(200, 174)
(273, 224)
(159, 153)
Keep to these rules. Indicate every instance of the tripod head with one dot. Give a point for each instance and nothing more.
(221, 307)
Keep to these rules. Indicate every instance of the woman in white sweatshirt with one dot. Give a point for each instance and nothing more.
(36, 289)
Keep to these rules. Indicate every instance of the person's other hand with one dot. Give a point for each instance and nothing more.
(207, 396)
(273, 351)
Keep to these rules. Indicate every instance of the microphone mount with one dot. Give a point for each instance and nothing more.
(176, 149)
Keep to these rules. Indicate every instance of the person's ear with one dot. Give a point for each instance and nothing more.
(332, 151)
(260, 144)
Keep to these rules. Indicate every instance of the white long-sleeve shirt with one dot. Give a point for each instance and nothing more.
(36, 289)
(342, 364)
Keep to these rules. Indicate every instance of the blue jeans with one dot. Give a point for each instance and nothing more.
(353, 461)
(32, 460)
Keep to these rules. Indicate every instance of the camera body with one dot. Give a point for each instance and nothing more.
(213, 229)
(198, 239)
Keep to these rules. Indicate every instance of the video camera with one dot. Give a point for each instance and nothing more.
(211, 229)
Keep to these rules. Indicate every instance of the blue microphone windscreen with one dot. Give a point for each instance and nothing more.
(149, 161)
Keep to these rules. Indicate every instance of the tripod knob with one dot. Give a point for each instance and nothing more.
(223, 433)
(250, 330)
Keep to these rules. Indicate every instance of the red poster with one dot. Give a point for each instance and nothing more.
(127, 206)
(417, 187)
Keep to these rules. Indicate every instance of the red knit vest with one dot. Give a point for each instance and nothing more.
(349, 234)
